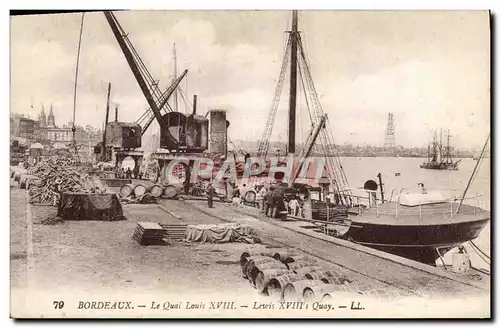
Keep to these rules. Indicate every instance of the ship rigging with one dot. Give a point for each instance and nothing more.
(439, 156)
(320, 139)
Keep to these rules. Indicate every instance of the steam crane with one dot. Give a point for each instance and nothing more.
(149, 87)
(179, 133)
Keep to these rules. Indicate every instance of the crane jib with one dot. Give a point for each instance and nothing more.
(140, 77)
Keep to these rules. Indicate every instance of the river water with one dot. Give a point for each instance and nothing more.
(360, 169)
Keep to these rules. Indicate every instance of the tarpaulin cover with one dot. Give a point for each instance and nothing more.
(146, 198)
(96, 207)
(222, 233)
(415, 199)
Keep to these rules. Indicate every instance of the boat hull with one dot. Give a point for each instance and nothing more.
(440, 166)
(416, 242)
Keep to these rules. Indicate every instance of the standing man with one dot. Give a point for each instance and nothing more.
(269, 202)
(210, 195)
(278, 202)
(263, 193)
(259, 197)
(294, 206)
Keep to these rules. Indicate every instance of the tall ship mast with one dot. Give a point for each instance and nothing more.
(439, 157)
(421, 225)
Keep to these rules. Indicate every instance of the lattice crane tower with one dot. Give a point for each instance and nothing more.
(390, 134)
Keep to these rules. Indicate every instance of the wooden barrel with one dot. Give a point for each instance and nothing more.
(264, 276)
(296, 258)
(250, 196)
(284, 254)
(296, 265)
(126, 190)
(256, 268)
(317, 274)
(252, 259)
(171, 191)
(307, 270)
(140, 189)
(252, 263)
(320, 292)
(156, 190)
(295, 290)
(331, 278)
(245, 255)
(276, 286)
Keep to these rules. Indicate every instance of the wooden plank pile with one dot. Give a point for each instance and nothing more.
(149, 233)
(58, 174)
(175, 232)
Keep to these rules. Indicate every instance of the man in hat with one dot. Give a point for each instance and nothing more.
(210, 195)
(278, 202)
(236, 196)
(269, 202)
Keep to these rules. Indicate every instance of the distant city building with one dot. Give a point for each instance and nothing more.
(45, 131)
(23, 127)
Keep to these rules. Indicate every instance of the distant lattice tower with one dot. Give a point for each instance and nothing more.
(390, 135)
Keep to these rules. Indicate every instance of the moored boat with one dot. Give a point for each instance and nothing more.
(422, 230)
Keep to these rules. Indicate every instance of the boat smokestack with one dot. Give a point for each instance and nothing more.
(195, 99)
(116, 114)
(103, 153)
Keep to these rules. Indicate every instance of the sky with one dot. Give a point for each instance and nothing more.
(430, 68)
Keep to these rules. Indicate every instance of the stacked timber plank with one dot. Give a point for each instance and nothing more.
(149, 233)
(286, 275)
(174, 232)
(112, 182)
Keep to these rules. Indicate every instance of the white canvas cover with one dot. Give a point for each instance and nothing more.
(415, 199)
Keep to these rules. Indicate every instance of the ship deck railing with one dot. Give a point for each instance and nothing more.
(370, 201)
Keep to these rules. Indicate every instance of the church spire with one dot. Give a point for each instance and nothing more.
(43, 119)
(51, 120)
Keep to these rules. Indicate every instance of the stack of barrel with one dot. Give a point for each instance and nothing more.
(286, 275)
(141, 188)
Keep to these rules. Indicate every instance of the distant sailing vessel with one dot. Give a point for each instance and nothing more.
(439, 157)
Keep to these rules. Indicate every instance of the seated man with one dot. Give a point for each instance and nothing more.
(236, 197)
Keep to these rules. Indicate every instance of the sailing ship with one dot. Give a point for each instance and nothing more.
(421, 225)
(439, 157)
